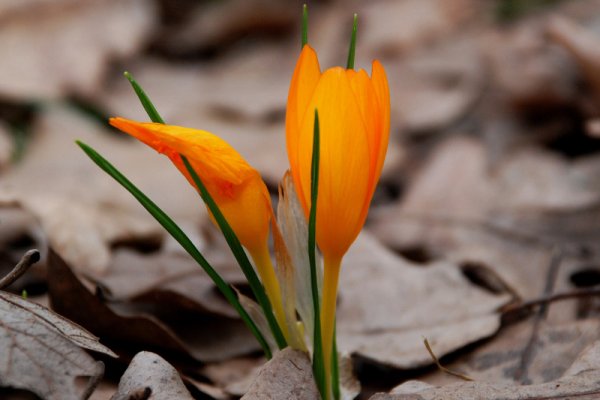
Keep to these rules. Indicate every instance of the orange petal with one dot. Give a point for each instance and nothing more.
(344, 163)
(304, 81)
(218, 161)
(368, 103)
(235, 186)
(380, 84)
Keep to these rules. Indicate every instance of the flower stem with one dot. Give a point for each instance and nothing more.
(266, 271)
(330, 285)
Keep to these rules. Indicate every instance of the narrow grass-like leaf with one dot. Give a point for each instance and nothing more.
(230, 236)
(318, 360)
(239, 254)
(304, 25)
(352, 50)
(178, 234)
(144, 99)
(335, 367)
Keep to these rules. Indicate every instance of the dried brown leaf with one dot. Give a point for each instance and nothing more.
(234, 375)
(288, 375)
(434, 89)
(581, 382)
(83, 211)
(51, 48)
(170, 279)
(555, 348)
(503, 217)
(387, 305)
(400, 26)
(149, 373)
(133, 327)
(213, 26)
(43, 352)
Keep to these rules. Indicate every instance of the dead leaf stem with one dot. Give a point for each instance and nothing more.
(93, 381)
(572, 294)
(441, 367)
(528, 354)
(28, 259)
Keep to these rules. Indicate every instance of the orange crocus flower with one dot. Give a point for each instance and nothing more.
(354, 119)
(236, 187)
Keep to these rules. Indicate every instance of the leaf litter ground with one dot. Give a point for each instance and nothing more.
(489, 197)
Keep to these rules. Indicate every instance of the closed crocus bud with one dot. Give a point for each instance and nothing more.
(354, 124)
(235, 186)
(354, 118)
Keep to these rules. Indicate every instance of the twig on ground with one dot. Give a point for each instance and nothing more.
(28, 259)
(441, 367)
(529, 351)
(573, 294)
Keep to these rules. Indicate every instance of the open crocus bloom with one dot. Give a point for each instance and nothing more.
(354, 118)
(236, 187)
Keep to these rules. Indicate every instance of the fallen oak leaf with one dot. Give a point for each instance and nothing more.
(76, 34)
(394, 303)
(287, 376)
(134, 330)
(43, 352)
(555, 350)
(99, 216)
(169, 279)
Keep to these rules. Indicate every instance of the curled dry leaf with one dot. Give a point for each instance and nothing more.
(150, 374)
(136, 327)
(43, 352)
(581, 381)
(169, 279)
(387, 305)
(235, 375)
(287, 376)
(73, 40)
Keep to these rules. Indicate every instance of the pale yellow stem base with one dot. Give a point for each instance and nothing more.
(266, 271)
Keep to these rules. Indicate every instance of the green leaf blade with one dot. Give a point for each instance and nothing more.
(144, 99)
(230, 236)
(304, 25)
(177, 233)
(239, 254)
(352, 50)
(318, 359)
